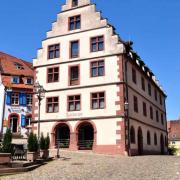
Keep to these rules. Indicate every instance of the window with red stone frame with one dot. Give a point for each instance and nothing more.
(157, 116)
(144, 109)
(155, 94)
(53, 74)
(53, 51)
(74, 75)
(162, 119)
(74, 22)
(74, 3)
(97, 68)
(52, 104)
(134, 75)
(74, 49)
(143, 84)
(149, 89)
(135, 104)
(74, 103)
(97, 43)
(151, 112)
(160, 99)
(98, 100)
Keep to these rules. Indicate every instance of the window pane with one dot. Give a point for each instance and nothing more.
(49, 100)
(101, 71)
(101, 46)
(74, 73)
(51, 55)
(50, 108)
(74, 49)
(56, 53)
(101, 101)
(70, 98)
(101, 95)
(56, 77)
(94, 72)
(56, 107)
(100, 39)
(77, 97)
(77, 106)
(94, 104)
(50, 70)
(56, 99)
(78, 24)
(94, 96)
(94, 64)
(94, 47)
(101, 63)
(71, 106)
(50, 78)
(71, 25)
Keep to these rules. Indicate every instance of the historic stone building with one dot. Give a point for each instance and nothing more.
(16, 92)
(173, 127)
(100, 94)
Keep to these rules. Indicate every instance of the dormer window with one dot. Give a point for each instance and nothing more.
(19, 66)
(15, 80)
(74, 3)
(29, 81)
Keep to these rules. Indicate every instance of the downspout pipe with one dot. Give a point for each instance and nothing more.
(127, 125)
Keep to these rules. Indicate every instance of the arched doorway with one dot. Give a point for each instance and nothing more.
(62, 136)
(13, 123)
(140, 141)
(85, 136)
(162, 144)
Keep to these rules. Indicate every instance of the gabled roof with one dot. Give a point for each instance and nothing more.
(8, 66)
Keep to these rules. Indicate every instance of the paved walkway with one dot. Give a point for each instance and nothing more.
(88, 166)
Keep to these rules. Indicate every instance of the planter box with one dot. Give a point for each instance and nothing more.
(32, 156)
(45, 154)
(5, 158)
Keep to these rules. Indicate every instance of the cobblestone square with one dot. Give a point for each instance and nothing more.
(89, 166)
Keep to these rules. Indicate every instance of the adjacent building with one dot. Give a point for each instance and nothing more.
(16, 92)
(100, 95)
(174, 134)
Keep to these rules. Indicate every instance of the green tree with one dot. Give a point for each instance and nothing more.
(47, 142)
(42, 142)
(32, 143)
(6, 144)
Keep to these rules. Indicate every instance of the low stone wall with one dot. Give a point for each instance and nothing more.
(5, 158)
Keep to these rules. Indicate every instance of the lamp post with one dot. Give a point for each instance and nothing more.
(40, 93)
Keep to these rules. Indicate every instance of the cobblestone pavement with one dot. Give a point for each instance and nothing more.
(88, 166)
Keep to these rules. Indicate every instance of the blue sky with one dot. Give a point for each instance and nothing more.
(153, 25)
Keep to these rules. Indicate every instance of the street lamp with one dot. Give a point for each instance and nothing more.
(40, 93)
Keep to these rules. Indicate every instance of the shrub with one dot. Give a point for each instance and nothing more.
(32, 143)
(172, 150)
(47, 142)
(42, 142)
(6, 144)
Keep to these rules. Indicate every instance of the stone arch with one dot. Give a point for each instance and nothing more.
(55, 131)
(86, 135)
(15, 127)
